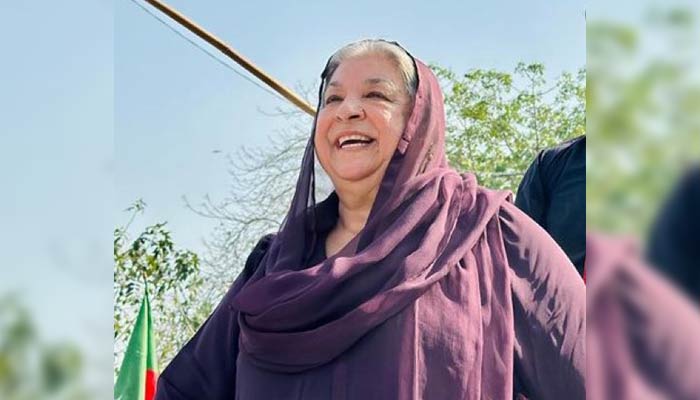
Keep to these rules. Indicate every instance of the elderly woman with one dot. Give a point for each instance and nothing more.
(408, 282)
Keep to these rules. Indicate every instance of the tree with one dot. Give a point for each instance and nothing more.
(498, 121)
(174, 283)
(261, 188)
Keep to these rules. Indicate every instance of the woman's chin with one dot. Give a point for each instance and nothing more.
(353, 173)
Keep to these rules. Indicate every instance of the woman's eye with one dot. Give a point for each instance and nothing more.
(377, 95)
(331, 99)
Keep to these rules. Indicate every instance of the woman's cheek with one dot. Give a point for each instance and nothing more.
(322, 123)
(321, 143)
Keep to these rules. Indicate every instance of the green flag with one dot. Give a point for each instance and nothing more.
(138, 373)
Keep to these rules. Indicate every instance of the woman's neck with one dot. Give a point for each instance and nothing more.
(353, 209)
(355, 200)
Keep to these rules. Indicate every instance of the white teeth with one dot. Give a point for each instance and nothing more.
(347, 146)
(344, 139)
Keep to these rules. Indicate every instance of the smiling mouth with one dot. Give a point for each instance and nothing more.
(354, 141)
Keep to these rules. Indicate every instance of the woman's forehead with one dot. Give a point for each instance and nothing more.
(367, 70)
(374, 81)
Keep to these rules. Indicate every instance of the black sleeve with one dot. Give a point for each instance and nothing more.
(531, 197)
(205, 368)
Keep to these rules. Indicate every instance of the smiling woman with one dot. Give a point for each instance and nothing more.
(363, 112)
(360, 123)
(409, 281)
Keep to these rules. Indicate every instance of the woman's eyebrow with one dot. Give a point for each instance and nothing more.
(379, 81)
(369, 81)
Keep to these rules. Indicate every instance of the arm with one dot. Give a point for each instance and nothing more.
(205, 368)
(549, 307)
(531, 197)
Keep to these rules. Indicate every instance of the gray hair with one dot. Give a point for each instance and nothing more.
(394, 52)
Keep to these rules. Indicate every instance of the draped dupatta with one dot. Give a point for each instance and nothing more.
(432, 245)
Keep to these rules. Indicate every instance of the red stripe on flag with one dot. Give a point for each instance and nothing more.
(151, 379)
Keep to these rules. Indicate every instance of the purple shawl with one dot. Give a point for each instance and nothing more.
(449, 292)
(426, 223)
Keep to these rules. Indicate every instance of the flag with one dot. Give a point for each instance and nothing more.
(138, 373)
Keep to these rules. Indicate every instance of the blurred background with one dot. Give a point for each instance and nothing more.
(115, 121)
(642, 110)
(642, 197)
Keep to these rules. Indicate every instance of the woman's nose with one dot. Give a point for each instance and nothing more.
(350, 109)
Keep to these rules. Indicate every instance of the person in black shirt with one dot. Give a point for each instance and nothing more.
(553, 193)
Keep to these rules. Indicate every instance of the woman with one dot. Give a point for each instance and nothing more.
(408, 282)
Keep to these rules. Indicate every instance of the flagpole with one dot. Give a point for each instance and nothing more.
(235, 56)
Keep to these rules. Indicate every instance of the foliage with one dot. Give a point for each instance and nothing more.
(498, 121)
(174, 283)
(643, 106)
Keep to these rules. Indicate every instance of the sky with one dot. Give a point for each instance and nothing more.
(57, 162)
(103, 105)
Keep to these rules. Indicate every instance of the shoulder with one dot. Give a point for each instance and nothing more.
(561, 151)
(550, 165)
(257, 254)
(567, 146)
(521, 230)
(531, 251)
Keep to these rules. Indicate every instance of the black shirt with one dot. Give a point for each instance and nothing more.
(553, 193)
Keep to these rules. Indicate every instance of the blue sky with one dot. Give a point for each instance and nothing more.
(106, 105)
(56, 162)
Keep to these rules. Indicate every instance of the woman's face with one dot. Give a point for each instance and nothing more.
(363, 114)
